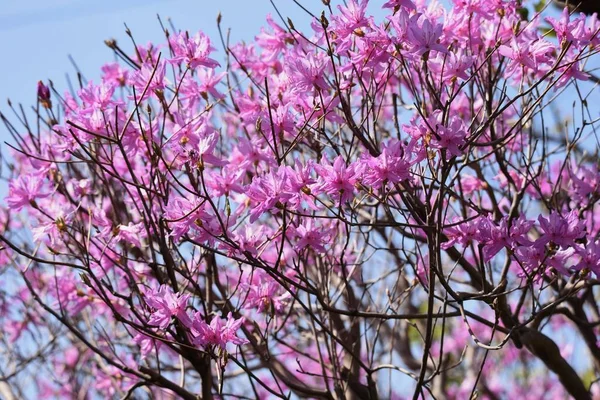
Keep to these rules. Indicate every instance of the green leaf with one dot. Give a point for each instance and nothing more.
(524, 13)
(539, 6)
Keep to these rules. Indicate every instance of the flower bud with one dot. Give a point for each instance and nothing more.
(43, 93)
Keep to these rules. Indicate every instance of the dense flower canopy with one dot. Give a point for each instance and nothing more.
(375, 208)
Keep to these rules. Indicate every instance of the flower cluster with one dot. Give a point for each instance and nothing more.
(315, 212)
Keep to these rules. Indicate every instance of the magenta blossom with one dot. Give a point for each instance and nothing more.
(24, 190)
(166, 305)
(193, 51)
(217, 334)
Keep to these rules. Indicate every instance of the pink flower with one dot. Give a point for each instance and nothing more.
(496, 237)
(208, 82)
(97, 96)
(23, 191)
(312, 236)
(204, 152)
(147, 344)
(452, 66)
(463, 233)
(217, 333)
(517, 52)
(562, 231)
(389, 167)
(250, 239)
(308, 71)
(151, 76)
(130, 233)
(194, 51)
(182, 214)
(268, 192)
(590, 257)
(225, 181)
(350, 23)
(301, 183)
(114, 75)
(424, 37)
(450, 138)
(273, 44)
(166, 305)
(470, 184)
(264, 292)
(337, 180)
(352, 15)
(397, 4)
(567, 30)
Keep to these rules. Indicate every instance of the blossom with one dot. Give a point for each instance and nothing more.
(302, 185)
(24, 191)
(204, 152)
(311, 235)
(268, 192)
(165, 305)
(130, 233)
(424, 37)
(508, 233)
(350, 23)
(388, 167)
(562, 231)
(273, 43)
(307, 72)
(450, 138)
(565, 29)
(264, 292)
(149, 78)
(113, 74)
(183, 214)
(396, 4)
(217, 333)
(470, 184)
(589, 257)
(464, 233)
(337, 180)
(194, 51)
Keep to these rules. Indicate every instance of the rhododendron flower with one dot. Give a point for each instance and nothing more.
(519, 53)
(204, 152)
(264, 293)
(337, 180)
(24, 190)
(311, 235)
(565, 29)
(114, 75)
(217, 333)
(390, 166)
(193, 51)
(147, 344)
(268, 192)
(166, 305)
(396, 4)
(470, 184)
(149, 78)
(131, 233)
(307, 72)
(183, 214)
(590, 257)
(424, 36)
(559, 230)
